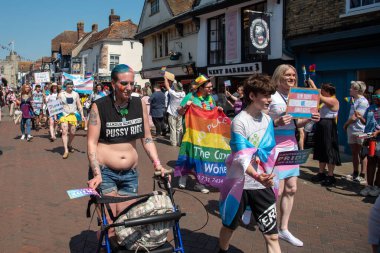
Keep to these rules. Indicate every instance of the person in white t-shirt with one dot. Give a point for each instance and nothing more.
(174, 119)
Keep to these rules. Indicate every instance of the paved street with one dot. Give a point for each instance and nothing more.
(36, 214)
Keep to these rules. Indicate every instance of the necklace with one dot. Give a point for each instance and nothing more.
(209, 100)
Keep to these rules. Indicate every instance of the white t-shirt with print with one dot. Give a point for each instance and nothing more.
(277, 109)
(175, 100)
(253, 130)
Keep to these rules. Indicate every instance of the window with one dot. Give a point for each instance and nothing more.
(161, 45)
(216, 40)
(114, 60)
(247, 56)
(362, 3)
(154, 7)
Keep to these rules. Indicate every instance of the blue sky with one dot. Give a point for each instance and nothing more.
(32, 24)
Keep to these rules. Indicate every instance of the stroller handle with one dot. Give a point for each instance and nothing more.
(166, 172)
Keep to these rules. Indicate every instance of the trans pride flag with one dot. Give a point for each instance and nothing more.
(83, 86)
(237, 163)
(204, 147)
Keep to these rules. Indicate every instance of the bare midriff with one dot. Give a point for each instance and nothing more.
(121, 156)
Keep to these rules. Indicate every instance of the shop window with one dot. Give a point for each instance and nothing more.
(216, 40)
(114, 60)
(154, 7)
(247, 56)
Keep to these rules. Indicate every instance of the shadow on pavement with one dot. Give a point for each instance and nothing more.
(58, 150)
(203, 243)
(85, 242)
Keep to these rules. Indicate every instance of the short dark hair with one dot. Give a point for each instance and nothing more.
(329, 88)
(258, 83)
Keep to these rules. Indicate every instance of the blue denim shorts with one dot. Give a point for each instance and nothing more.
(124, 182)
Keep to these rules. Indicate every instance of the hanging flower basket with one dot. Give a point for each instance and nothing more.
(174, 56)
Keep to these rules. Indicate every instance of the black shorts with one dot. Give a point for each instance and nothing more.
(263, 206)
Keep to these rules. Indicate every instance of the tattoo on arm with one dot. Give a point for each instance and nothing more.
(93, 118)
(94, 164)
(148, 140)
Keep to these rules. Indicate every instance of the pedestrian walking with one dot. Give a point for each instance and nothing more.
(285, 77)
(38, 101)
(53, 93)
(175, 120)
(26, 108)
(116, 122)
(72, 113)
(157, 110)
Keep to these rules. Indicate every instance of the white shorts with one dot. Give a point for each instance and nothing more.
(352, 137)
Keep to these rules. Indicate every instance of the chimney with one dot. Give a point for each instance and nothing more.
(80, 29)
(113, 18)
(95, 28)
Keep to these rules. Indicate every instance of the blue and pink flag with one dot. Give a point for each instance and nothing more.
(83, 86)
(237, 163)
(204, 146)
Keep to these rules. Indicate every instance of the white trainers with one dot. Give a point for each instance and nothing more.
(360, 180)
(287, 236)
(29, 137)
(201, 188)
(22, 137)
(374, 192)
(246, 218)
(349, 177)
(182, 182)
(366, 191)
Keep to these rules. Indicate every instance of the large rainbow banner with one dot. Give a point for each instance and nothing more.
(205, 146)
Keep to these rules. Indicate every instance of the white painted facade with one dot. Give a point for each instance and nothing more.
(129, 52)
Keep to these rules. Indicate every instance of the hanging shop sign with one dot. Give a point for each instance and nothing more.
(237, 69)
(259, 34)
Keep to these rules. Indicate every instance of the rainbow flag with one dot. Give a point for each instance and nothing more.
(204, 147)
(312, 69)
(350, 100)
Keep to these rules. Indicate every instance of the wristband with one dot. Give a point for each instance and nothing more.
(156, 163)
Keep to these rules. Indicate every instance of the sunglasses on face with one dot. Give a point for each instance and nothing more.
(126, 83)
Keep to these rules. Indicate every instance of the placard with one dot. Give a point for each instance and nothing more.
(296, 157)
(227, 83)
(55, 107)
(78, 193)
(302, 102)
(41, 77)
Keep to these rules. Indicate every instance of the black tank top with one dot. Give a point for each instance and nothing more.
(118, 129)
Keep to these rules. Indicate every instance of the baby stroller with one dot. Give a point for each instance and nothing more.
(173, 217)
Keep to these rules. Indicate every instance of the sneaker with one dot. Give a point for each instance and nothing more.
(246, 218)
(287, 236)
(366, 191)
(29, 137)
(351, 177)
(201, 188)
(318, 178)
(374, 192)
(360, 180)
(22, 137)
(71, 149)
(329, 181)
(182, 182)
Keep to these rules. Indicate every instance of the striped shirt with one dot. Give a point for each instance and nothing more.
(360, 105)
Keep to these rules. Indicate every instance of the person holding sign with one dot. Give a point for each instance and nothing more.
(252, 136)
(116, 122)
(326, 148)
(202, 97)
(53, 93)
(285, 77)
(38, 102)
(72, 109)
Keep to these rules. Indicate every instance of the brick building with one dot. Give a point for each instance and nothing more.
(342, 38)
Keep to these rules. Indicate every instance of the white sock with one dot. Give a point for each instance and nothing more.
(287, 236)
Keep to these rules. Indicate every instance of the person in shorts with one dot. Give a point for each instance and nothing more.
(354, 127)
(253, 130)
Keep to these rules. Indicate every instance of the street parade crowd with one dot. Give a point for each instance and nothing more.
(116, 116)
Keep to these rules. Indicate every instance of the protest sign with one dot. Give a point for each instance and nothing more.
(302, 102)
(41, 77)
(227, 83)
(292, 157)
(78, 193)
(55, 107)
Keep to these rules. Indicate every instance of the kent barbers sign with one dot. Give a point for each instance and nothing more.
(238, 69)
(259, 34)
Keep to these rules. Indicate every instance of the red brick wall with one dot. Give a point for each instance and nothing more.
(304, 17)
